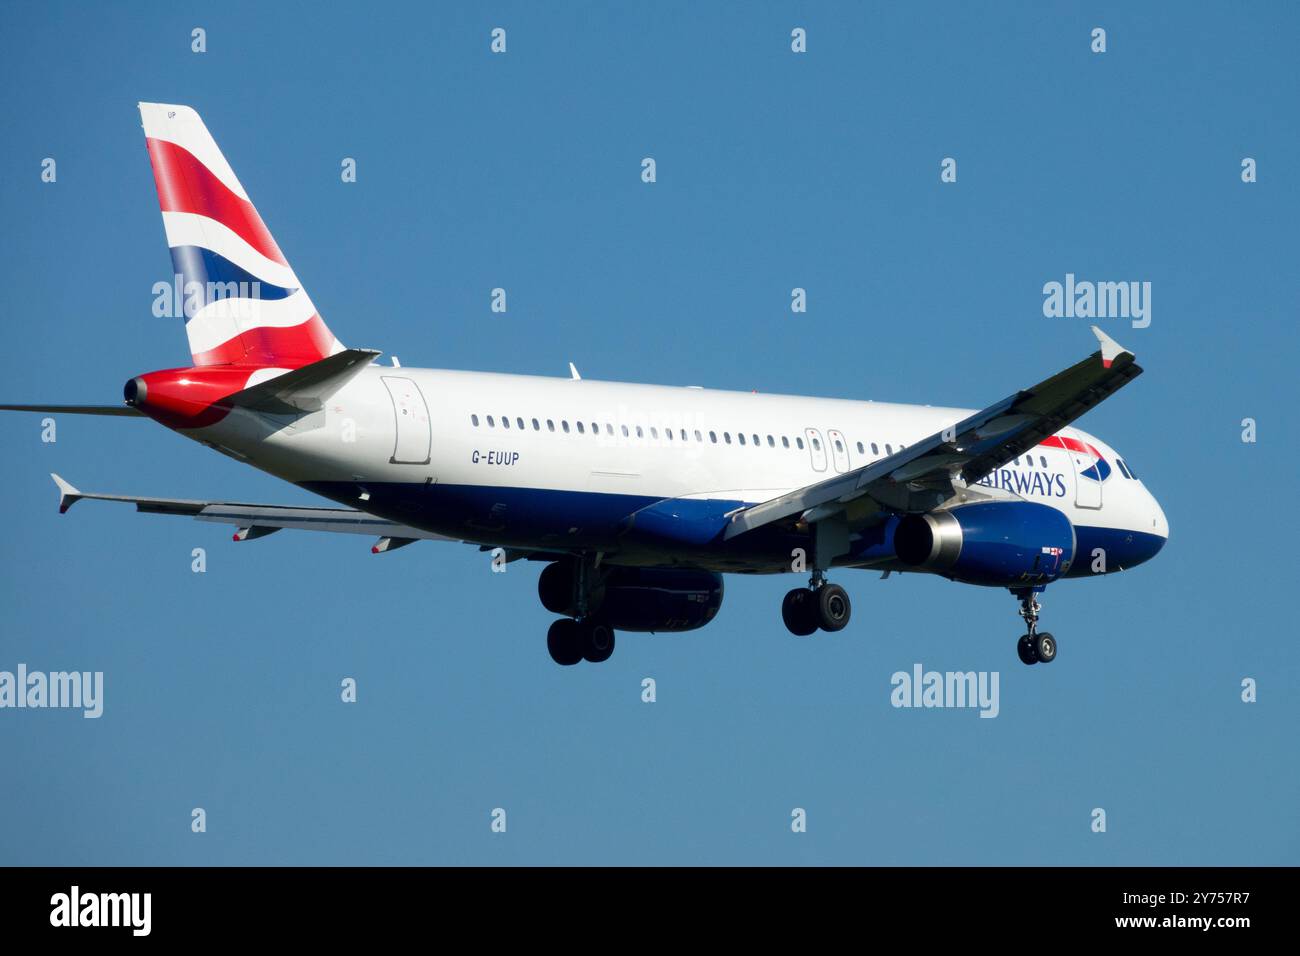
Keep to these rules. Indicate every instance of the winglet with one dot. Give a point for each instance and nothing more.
(68, 495)
(1110, 349)
(573, 373)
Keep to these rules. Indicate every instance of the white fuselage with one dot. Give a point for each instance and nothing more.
(581, 445)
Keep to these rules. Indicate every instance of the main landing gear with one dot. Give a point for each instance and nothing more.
(570, 641)
(567, 589)
(820, 605)
(1033, 647)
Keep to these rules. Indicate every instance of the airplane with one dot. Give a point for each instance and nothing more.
(638, 498)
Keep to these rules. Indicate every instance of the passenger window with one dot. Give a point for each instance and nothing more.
(799, 441)
(726, 436)
(756, 441)
(699, 437)
(861, 450)
(491, 423)
(550, 425)
(817, 445)
(654, 433)
(474, 419)
(785, 442)
(536, 425)
(838, 446)
(684, 438)
(639, 433)
(771, 442)
(520, 423)
(581, 429)
(713, 437)
(741, 436)
(609, 429)
(625, 431)
(505, 421)
(875, 449)
(1043, 459)
(564, 423)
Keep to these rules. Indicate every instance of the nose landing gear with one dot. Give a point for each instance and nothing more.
(1033, 647)
(820, 605)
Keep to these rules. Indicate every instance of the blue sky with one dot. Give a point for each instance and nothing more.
(775, 170)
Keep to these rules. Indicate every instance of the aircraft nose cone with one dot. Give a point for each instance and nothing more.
(1142, 547)
(1159, 523)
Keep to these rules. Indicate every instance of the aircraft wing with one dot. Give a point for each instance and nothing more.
(256, 521)
(922, 475)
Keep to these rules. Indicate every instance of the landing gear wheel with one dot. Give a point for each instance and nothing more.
(565, 642)
(1034, 648)
(799, 611)
(597, 642)
(1025, 648)
(833, 607)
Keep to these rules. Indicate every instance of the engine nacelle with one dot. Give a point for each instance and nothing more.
(637, 599)
(997, 543)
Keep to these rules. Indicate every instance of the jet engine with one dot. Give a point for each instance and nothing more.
(996, 543)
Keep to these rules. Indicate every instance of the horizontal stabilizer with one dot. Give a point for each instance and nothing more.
(303, 389)
(125, 411)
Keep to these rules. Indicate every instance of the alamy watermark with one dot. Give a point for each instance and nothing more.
(80, 690)
(1085, 299)
(75, 908)
(178, 298)
(922, 688)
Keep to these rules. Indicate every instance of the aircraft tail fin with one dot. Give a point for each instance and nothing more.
(241, 301)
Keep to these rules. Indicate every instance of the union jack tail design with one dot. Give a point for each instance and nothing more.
(243, 305)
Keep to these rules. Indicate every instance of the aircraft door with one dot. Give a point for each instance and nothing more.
(816, 448)
(414, 439)
(839, 450)
(1089, 470)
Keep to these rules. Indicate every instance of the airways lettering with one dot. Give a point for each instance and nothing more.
(1034, 484)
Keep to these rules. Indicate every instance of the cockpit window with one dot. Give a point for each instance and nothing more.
(1123, 467)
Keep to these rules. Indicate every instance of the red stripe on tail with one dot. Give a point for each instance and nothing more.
(186, 185)
(290, 347)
